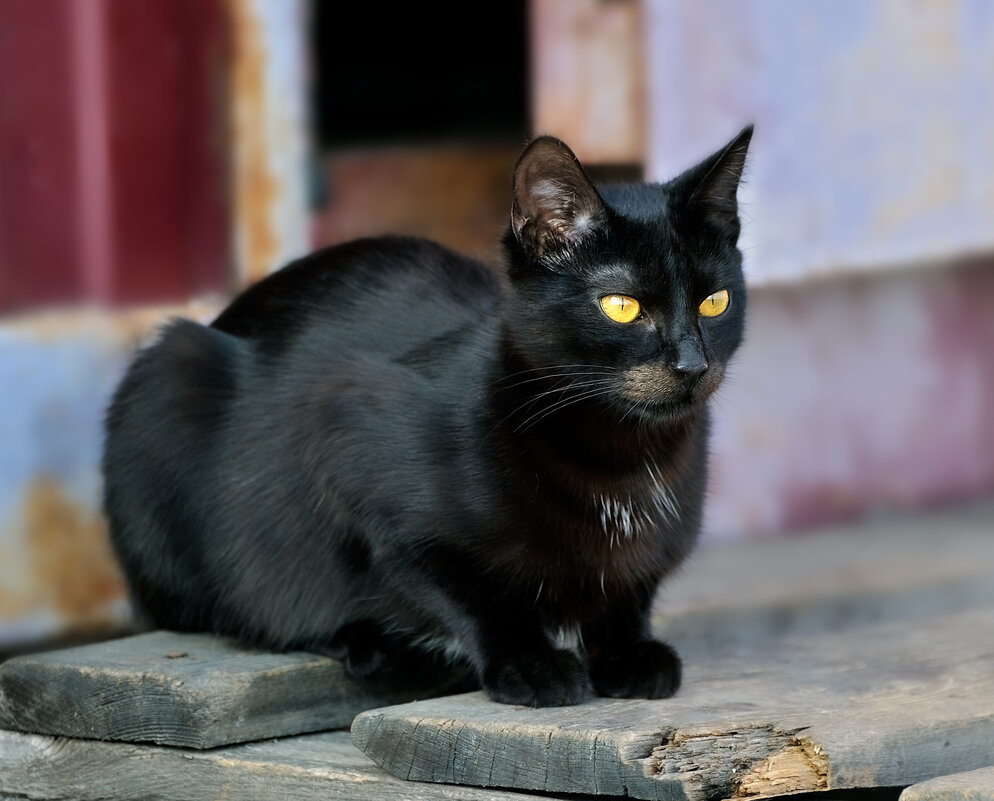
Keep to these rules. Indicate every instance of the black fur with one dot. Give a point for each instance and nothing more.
(389, 452)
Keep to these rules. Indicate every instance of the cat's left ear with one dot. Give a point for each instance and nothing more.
(713, 184)
(555, 204)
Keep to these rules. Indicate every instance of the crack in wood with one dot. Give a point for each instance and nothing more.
(748, 762)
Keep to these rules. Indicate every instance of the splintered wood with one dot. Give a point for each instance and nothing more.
(753, 762)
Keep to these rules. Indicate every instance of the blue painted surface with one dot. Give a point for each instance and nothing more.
(56, 378)
(54, 392)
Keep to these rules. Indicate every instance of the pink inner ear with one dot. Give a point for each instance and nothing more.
(555, 203)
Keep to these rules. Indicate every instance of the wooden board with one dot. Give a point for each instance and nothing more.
(896, 567)
(322, 767)
(190, 690)
(973, 785)
(884, 705)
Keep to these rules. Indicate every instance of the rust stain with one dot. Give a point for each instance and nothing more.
(820, 503)
(589, 85)
(462, 195)
(255, 188)
(72, 564)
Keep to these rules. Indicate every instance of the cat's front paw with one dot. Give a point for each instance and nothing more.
(551, 678)
(645, 669)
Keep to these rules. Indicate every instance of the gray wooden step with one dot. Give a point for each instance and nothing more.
(323, 767)
(192, 690)
(973, 785)
(895, 567)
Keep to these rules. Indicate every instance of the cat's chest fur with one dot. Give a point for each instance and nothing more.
(592, 518)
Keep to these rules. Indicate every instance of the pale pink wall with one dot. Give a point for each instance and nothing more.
(867, 378)
(854, 395)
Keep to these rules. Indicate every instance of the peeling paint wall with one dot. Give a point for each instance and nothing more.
(852, 395)
(270, 134)
(857, 395)
(866, 378)
(57, 372)
(456, 195)
(588, 77)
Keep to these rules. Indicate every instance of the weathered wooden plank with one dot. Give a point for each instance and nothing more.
(972, 785)
(318, 766)
(190, 690)
(883, 705)
(898, 567)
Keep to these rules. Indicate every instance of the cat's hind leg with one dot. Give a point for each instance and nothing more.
(361, 646)
(161, 431)
(369, 653)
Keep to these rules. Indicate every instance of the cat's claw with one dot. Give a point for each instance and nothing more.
(645, 669)
(558, 678)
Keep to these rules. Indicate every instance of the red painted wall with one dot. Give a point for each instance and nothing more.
(112, 151)
(38, 190)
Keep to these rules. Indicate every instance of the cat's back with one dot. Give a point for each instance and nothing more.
(350, 370)
(387, 294)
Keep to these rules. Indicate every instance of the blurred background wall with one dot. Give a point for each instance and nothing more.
(156, 156)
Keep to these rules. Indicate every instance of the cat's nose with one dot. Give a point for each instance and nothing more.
(690, 369)
(689, 361)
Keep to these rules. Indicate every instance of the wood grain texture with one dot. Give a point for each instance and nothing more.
(972, 785)
(319, 766)
(884, 705)
(895, 568)
(192, 690)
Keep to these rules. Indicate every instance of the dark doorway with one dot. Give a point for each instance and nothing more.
(419, 72)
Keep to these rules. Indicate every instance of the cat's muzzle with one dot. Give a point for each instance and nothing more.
(660, 390)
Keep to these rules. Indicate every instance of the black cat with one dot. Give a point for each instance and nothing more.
(391, 453)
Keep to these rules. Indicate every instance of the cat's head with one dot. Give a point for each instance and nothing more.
(631, 295)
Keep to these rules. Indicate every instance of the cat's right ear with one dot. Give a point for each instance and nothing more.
(714, 184)
(555, 205)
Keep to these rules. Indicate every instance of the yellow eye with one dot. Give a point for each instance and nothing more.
(620, 308)
(715, 304)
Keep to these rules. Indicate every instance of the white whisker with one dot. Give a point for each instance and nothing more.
(562, 404)
(551, 367)
(555, 375)
(600, 384)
